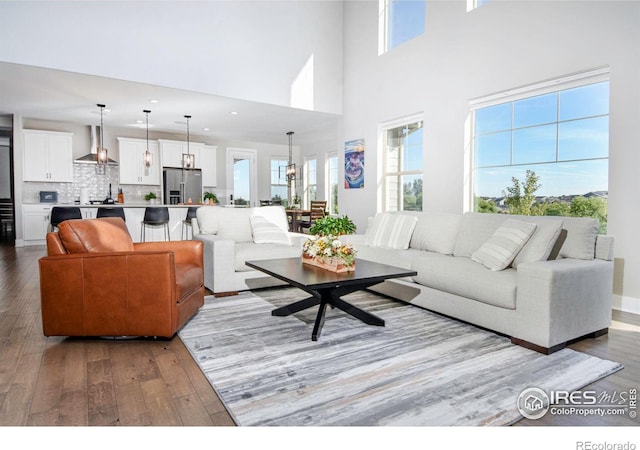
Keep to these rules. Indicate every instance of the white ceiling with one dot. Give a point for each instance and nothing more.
(48, 94)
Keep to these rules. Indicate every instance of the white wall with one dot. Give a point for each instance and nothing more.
(254, 50)
(466, 55)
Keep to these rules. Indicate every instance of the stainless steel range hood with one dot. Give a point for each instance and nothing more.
(92, 157)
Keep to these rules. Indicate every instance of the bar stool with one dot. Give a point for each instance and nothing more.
(154, 217)
(107, 211)
(186, 223)
(60, 214)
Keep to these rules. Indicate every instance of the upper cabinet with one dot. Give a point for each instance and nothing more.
(208, 161)
(132, 167)
(172, 152)
(48, 156)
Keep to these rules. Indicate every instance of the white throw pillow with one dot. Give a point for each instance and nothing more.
(267, 232)
(503, 246)
(436, 232)
(390, 231)
(274, 214)
(539, 247)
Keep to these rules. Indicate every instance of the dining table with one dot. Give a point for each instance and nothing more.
(294, 216)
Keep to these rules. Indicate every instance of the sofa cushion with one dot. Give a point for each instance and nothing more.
(542, 242)
(109, 234)
(388, 256)
(234, 224)
(436, 232)
(475, 229)
(266, 232)
(207, 217)
(390, 231)
(464, 277)
(505, 243)
(248, 251)
(581, 238)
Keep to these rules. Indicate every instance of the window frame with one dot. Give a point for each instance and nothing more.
(307, 184)
(384, 129)
(332, 206)
(383, 27)
(281, 177)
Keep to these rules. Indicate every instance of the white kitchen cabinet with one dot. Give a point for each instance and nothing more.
(132, 167)
(208, 165)
(35, 221)
(48, 156)
(172, 152)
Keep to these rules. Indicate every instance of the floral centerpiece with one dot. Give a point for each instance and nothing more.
(330, 253)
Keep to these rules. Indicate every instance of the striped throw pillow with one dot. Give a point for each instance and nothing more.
(267, 232)
(390, 231)
(505, 243)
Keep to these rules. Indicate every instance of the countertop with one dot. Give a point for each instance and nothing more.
(121, 205)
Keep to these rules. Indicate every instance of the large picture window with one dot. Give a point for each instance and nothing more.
(403, 167)
(544, 154)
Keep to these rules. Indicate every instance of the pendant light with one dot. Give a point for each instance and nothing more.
(291, 170)
(188, 160)
(148, 157)
(103, 154)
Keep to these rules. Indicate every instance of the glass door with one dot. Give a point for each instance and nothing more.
(241, 177)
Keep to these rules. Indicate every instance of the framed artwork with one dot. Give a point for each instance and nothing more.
(354, 164)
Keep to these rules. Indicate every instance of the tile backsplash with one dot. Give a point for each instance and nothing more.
(85, 176)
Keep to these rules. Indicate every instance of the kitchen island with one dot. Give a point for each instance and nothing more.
(36, 218)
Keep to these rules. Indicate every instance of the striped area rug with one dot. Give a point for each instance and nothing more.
(420, 369)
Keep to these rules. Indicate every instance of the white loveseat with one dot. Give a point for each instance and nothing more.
(541, 303)
(232, 236)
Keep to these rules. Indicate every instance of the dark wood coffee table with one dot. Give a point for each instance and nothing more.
(327, 287)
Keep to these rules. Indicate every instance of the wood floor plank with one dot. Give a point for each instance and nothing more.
(132, 408)
(160, 403)
(16, 404)
(192, 411)
(174, 375)
(101, 397)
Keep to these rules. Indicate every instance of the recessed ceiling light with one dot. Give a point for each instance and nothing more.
(139, 121)
(205, 129)
(234, 113)
(153, 100)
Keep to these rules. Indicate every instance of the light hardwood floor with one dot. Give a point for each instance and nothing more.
(85, 382)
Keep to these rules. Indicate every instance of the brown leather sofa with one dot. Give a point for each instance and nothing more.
(96, 282)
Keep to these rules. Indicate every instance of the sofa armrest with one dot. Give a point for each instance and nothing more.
(186, 252)
(562, 299)
(219, 257)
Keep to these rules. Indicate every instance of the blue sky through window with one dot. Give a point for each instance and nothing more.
(405, 21)
(562, 136)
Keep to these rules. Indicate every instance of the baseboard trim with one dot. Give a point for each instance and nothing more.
(626, 304)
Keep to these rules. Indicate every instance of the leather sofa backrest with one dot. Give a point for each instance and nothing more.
(109, 234)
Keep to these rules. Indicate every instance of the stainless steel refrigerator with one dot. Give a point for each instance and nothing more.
(181, 185)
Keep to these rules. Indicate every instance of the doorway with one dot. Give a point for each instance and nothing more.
(242, 183)
(7, 220)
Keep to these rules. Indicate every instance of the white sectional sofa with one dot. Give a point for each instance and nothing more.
(541, 303)
(232, 236)
(551, 285)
